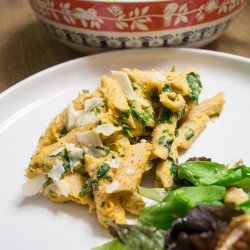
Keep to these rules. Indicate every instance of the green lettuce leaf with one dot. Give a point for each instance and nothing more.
(245, 207)
(113, 245)
(156, 194)
(178, 202)
(203, 173)
(139, 236)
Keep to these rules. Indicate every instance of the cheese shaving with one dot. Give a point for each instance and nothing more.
(115, 163)
(75, 154)
(60, 188)
(57, 151)
(130, 171)
(86, 118)
(89, 139)
(57, 171)
(91, 103)
(34, 185)
(111, 188)
(106, 129)
(126, 86)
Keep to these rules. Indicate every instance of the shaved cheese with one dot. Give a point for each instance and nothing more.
(126, 86)
(86, 118)
(82, 117)
(106, 129)
(89, 139)
(34, 185)
(112, 187)
(157, 76)
(72, 116)
(75, 154)
(60, 188)
(74, 151)
(130, 171)
(57, 151)
(115, 163)
(91, 103)
(57, 170)
(124, 82)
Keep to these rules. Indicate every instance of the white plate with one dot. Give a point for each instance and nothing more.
(27, 108)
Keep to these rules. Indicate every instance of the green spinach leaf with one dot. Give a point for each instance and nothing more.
(195, 85)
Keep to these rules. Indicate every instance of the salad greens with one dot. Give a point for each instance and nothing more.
(178, 202)
(195, 210)
(245, 207)
(139, 236)
(203, 173)
(156, 194)
(113, 245)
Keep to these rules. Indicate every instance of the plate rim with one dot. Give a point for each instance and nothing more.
(26, 80)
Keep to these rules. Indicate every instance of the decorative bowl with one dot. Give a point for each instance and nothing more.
(93, 26)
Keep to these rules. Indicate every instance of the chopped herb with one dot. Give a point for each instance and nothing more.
(149, 113)
(165, 131)
(102, 170)
(167, 143)
(154, 95)
(102, 204)
(189, 134)
(165, 116)
(194, 83)
(89, 185)
(85, 175)
(100, 122)
(139, 116)
(93, 181)
(127, 130)
(173, 169)
(48, 181)
(134, 86)
(63, 132)
(181, 113)
(144, 116)
(97, 107)
(176, 132)
(83, 161)
(167, 88)
(107, 177)
(161, 139)
(85, 91)
(125, 114)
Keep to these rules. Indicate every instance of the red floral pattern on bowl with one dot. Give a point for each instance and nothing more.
(133, 20)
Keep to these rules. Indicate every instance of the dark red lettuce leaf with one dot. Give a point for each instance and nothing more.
(202, 158)
(201, 228)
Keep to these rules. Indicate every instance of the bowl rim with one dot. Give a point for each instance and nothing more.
(126, 1)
